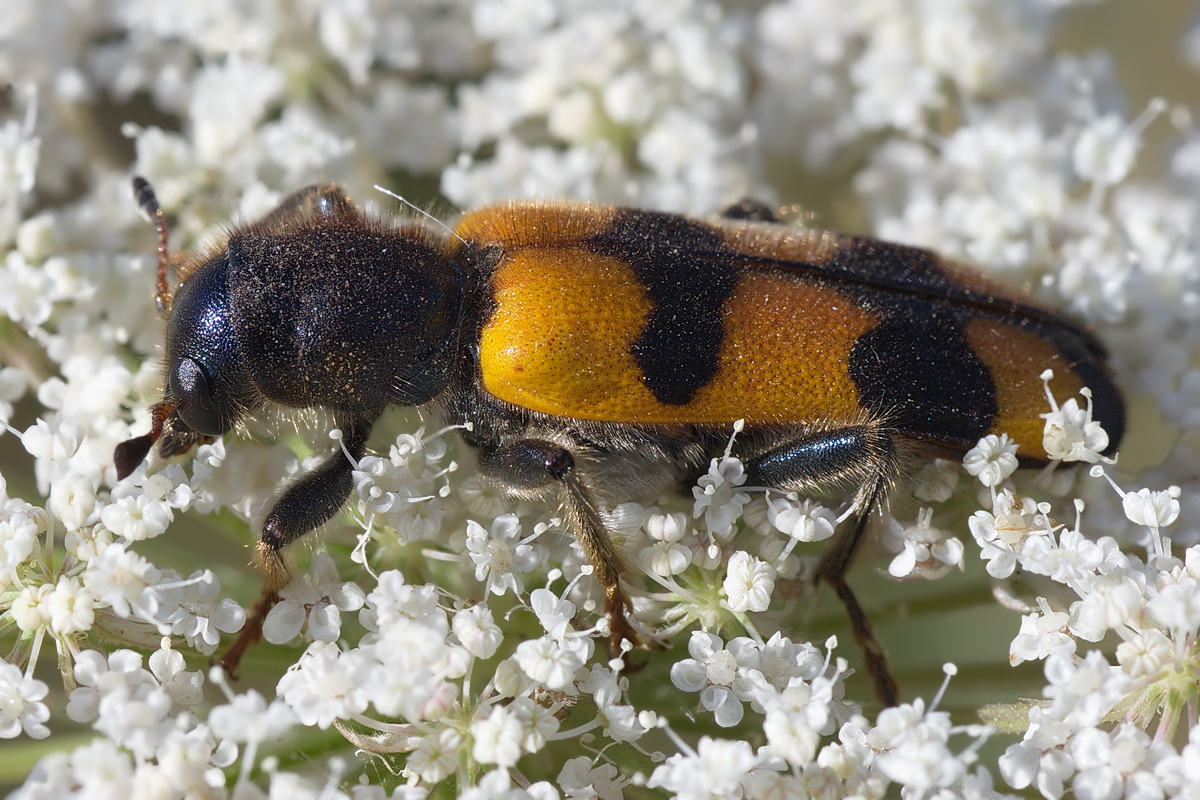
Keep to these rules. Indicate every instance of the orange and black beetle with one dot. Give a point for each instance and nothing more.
(601, 353)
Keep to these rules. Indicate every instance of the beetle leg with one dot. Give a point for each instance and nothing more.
(307, 504)
(750, 210)
(324, 200)
(863, 456)
(532, 467)
(316, 497)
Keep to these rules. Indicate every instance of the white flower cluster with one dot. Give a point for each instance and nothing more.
(151, 744)
(467, 653)
(907, 747)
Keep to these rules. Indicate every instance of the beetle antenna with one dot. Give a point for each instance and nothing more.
(421, 211)
(147, 203)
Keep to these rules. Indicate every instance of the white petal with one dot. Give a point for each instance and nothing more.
(283, 623)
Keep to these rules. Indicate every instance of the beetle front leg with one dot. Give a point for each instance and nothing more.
(311, 501)
(860, 456)
(534, 467)
(306, 505)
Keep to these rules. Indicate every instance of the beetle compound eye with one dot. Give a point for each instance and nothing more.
(193, 389)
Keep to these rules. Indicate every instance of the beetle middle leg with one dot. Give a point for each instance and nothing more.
(859, 456)
(534, 467)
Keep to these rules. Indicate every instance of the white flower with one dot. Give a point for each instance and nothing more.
(927, 552)
(717, 498)
(547, 662)
(119, 578)
(583, 779)
(393, 601)
(912, 747)
(667, 528)
(19, 532)
(71, 607)
(248, 718)
(192, 761)
(412, 667)
(718, 769)
(120, 672)
(101, 769)
(435, 756)
(557, 614)
(623, 723)
(749, 583)
(1111, 602)
(498, 784)
(56, 441)
(189, 607)
(403, 487)
(538, 723)
(125, 701)
(496, 738)
(935, 481)
(1113, 764)
(992, 460)
(477, 631)
(1106, 149)
(666, 559)
(668, 555)
(21, 706)
(716, 671)
(1005, 533)
(73, 499)
(228, 100)
(137, 721)
(1042, 634)
(1152, 509)
(137, 517)
(1145, 653)
(1175, 606)
(317, 599)
(806, 521)
(1070, 433)
(326, 684)
(500, 555)
(29, 609)
(789, 735)
(185, 689)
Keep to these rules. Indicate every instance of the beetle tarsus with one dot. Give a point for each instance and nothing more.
(250, 634)
(886, 688)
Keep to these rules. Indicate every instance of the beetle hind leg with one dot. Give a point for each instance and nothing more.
(860, 456)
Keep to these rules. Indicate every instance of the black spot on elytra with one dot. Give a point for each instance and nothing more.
(918, 372)
(675, 259)
(908, 271)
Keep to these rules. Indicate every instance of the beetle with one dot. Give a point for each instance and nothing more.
(602, 353)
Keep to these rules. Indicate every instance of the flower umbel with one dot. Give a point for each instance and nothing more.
(459, 649)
